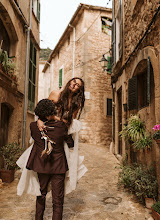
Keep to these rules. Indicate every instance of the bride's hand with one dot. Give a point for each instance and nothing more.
(40, 125)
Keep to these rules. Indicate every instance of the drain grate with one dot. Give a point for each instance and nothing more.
(112, 200)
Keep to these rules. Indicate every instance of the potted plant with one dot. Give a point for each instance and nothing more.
(134, 130)
(136, 134)
(10, 154)
(156, 210)
(143, 143)
(156, 135)
(140, 181)
(6, 63)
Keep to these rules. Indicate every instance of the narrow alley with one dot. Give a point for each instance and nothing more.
(96, 197)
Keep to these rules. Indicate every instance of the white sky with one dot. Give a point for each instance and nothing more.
(55, 16)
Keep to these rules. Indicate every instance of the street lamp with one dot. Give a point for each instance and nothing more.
(106, 63)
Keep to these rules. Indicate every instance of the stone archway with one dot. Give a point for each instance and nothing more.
(143, 55)
(6, 22)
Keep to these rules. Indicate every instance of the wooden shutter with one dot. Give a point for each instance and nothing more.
(38, 10)
(60, 78)
(113, 35)
(132, 93)
(109, 106)
(109, 69)
(121, 30)
(148, 80)
(113, 116)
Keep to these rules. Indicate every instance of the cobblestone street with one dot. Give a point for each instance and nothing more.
(96, 196)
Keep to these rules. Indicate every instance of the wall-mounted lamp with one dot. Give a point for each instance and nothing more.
(106, 63)
(125, 107)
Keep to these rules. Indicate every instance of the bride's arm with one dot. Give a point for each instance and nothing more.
(54, 96)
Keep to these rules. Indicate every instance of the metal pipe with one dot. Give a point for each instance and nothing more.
(74, 35)
(26, 76)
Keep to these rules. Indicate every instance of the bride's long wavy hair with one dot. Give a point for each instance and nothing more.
(77, 101)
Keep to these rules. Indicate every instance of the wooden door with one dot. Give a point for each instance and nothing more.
(119, 94)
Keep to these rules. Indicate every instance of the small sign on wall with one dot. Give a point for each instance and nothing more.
(87, 95)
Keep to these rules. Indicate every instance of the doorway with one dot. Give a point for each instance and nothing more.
(6, 111)
(119, 95)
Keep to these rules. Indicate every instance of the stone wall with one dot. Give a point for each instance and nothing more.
(137, 16)
(11, 94)
(136, 23)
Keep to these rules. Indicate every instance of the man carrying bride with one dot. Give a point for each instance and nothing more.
(47, 161)
(47, 157)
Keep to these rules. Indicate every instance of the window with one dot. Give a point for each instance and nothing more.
(36, 8)
(142, 90)
(4, 38)
(69, 40)
(117, 34)
(60, 78)
(140, 86)
(32, 77)
(109, 107)
(106, 25)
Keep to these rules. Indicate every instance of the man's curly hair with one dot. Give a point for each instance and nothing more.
(44, 108)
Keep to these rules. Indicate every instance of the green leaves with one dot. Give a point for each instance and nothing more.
(143, 142)
(156, 207)
(8, 65)
(10, 153)
(135, 132)
(140, 181)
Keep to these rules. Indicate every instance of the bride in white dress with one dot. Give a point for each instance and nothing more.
(72, 101)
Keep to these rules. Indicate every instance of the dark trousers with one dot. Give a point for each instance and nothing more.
(57, 182)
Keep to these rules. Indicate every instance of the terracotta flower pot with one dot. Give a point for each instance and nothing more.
(149, 202)
(155, 215)
(7, 176)
(158, 141)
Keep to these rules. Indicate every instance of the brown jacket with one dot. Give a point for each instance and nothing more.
(56, 162)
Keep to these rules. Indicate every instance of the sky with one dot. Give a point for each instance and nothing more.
(55, 16)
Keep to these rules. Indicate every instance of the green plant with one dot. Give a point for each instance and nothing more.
(135, 133)
(156, 135)
(140, 181)
(143, 142)
(156, 207)
(10, 153)
(7, 63)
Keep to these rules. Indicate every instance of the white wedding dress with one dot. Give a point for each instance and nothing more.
(29, 183)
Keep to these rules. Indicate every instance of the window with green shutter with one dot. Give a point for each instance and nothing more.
(139, 87)
(38, 10)
(109, 106)
(60, 77)
(132, 93)
(32, 77)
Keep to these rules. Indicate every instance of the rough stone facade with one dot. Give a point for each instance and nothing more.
(141, 42)
(14, 17)
(90, 44)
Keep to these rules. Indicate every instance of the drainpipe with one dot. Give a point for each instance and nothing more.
(73, 48)
(26, 76)
(50, 76)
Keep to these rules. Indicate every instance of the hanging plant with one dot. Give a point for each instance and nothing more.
(135, 133)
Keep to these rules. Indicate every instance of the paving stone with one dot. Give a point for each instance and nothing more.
(96, 197)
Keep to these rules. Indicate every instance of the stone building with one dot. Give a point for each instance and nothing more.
(136, 71)
(19, 36)
(78, 52)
